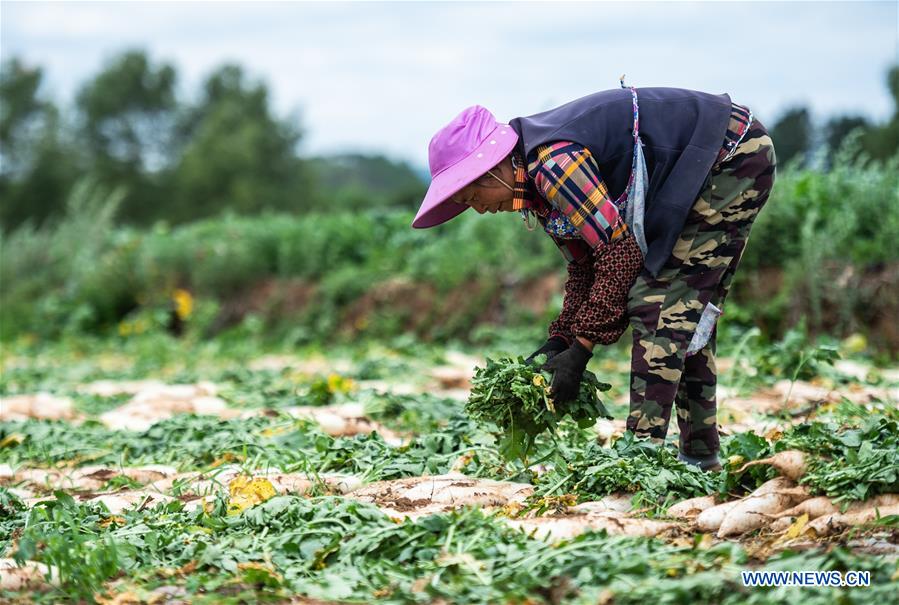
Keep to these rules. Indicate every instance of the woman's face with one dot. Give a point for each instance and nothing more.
(487, 194)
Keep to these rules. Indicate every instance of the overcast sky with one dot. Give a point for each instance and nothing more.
(384, 77)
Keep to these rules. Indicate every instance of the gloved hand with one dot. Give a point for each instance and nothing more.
(568, 369)
(552, 347)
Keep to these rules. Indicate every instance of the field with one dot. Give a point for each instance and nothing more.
(232, 372)
(151, 469)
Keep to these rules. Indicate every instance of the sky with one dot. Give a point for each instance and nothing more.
(384, 77)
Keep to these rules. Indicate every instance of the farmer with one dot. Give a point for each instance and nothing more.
(650, 194)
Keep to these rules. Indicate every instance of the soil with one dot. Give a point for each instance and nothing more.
(775, 300)
(404, 504)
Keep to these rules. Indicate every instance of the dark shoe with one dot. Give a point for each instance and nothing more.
(708, 463)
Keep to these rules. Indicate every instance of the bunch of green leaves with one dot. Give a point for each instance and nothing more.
(735, 451)
(796, 356)
(246, 388)
(515, 396)
(652, 472)
(421, 412)
(185, 440)
(340, 549)
(848, 463)
(845, 461)
(196, 442)
(67, 543)
(12, 517)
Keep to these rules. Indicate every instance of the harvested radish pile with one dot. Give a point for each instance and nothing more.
(515, 397)
(192, 476)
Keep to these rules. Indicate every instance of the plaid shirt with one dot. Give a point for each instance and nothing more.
(562, 187)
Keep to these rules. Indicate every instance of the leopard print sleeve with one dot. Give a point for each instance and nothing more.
(602, 317)
(577, 289)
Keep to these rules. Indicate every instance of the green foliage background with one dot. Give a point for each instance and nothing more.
(136, 191)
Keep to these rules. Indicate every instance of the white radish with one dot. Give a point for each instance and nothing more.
(30, 576)
(829, 523)
(814, 508)
(882, 500)
(781, 525)
(778, 484)
(619, 501)
(790, 463)
(631, 527)
(752, 512)
(710, 519)
(686, 509)
(869, 514)
(798, 493)
(824, 525)
(555, 529)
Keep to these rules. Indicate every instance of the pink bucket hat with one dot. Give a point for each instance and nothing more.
(463, 150)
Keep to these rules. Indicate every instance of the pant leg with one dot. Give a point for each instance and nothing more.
(664, 310)
(696, 403)
(663, 318)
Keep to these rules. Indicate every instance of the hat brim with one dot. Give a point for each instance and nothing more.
(436, 207)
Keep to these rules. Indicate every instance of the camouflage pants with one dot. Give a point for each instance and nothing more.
(665, 310)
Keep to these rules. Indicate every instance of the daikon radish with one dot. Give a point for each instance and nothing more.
(752, 512)
(561, 528)
(833, 522)
(814, 508)
(778, 484)
(150, 472)
(881, 500)
(790, 463)
(783, 524)
(211, 406)
(686, 509)
(824, 525)
(710, 519)
(618, 501)
(630, 527)
(20, 493)
(798, 493)
(30, 576)
(870, 514)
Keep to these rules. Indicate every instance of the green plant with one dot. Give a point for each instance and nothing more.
(515, 396)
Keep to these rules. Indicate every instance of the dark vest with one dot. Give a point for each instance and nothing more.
(682, 132)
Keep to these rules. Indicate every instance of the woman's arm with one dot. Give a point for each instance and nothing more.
(577, 290)
(568, 177)
(602, 318)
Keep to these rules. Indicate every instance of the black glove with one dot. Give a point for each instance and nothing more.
(551, 348)
(568, 369)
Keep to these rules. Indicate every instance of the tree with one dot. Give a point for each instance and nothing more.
(129, 112)
(239, 156)
(358, 181)
(20, 109)
(838, 128)
(882, 142)
(129, 115)
(37, 166)
(792, 136)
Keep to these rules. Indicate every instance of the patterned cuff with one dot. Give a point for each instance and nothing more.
(568, 339)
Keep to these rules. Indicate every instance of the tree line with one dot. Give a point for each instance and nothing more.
(798, 139)
(173, 159)
(178, 159)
